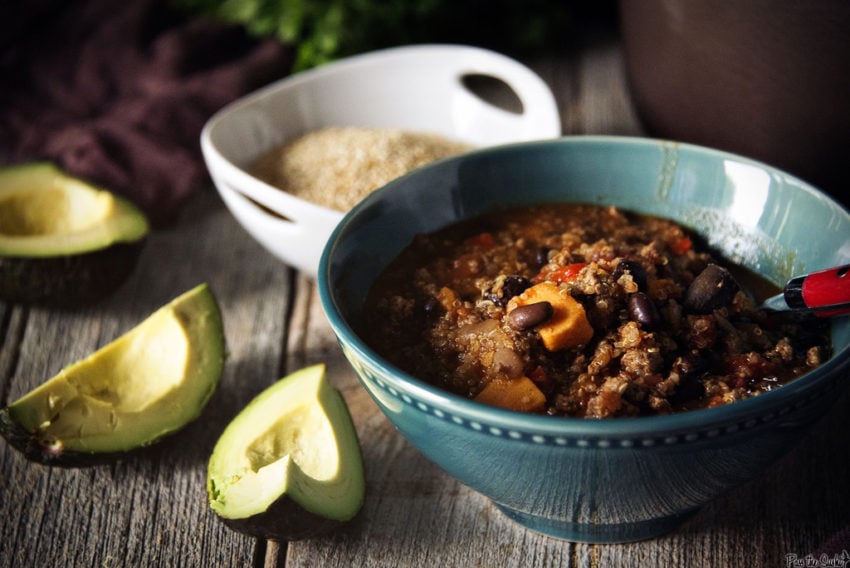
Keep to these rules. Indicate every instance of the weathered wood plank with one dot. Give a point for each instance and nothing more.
(13, 320)
(590, 87)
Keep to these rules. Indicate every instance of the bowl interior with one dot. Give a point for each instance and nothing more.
(753, 214)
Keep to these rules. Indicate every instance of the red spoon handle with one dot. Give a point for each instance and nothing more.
(819, 290)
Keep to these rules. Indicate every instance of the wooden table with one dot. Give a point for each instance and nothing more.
(151, 509)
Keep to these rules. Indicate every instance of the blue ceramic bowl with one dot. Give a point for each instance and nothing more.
(609, 480)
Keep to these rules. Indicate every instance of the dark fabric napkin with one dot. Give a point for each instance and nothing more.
(118, 92)
(836, 546)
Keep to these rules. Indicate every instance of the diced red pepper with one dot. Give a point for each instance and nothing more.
(715, 401)
(539, 376)
(747, 368)
(482, 240)
(682, 245)
(563, 273)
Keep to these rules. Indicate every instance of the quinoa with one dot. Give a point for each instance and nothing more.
(337, 167)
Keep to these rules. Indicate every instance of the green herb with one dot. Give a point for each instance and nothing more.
(324, 30)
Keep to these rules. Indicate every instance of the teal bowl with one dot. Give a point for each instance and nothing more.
(608, 480)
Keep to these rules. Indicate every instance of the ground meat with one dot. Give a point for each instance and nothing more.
(622, 315)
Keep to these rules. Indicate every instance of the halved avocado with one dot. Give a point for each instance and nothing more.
(148, 383)
(289, 466)
(63, 241)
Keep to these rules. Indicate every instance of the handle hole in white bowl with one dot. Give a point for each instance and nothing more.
(493, 91)
(269, 212)
(250, 201)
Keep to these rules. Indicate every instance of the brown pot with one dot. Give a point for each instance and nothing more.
(769, 79)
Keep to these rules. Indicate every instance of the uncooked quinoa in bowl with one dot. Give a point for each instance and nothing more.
(338, 166)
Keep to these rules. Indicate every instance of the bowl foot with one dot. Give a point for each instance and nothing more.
(596, 533)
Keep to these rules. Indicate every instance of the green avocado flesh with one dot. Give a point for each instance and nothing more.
(289, 466)
(45, 212)
(148, 383)
(63, 240)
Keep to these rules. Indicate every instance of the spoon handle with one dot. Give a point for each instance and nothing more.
(826, 292)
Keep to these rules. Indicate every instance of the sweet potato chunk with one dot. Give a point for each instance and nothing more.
(514, 394)
(446, 297)
(568, 326)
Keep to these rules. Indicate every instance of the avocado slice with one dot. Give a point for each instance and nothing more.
(289, 466)
(148, 383)
(63, 241)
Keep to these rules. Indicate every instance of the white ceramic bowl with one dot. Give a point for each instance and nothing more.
(415, 88)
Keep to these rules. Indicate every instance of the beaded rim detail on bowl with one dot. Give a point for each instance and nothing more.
(594, 442)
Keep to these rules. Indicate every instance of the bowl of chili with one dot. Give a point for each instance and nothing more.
(592, 478)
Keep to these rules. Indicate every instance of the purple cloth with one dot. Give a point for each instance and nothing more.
(836, 546)
(118, 92)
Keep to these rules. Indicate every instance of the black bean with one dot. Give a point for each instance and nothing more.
(432, 307)
(634, 268)
(643, 310)
(511, 286)
(690, 368)
(542, 256)
(690, 388)
(529, 315)
(690, 364)
(713, 288)
(514, 286)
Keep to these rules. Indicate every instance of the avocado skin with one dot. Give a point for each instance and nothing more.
(39, 451)
(285, 520)
(68, 281)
